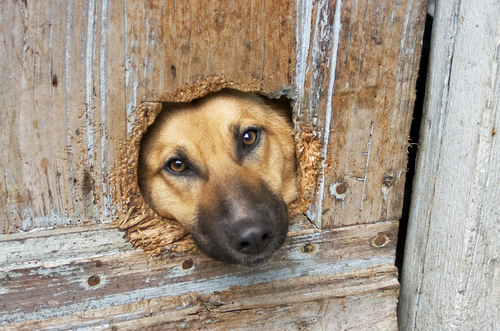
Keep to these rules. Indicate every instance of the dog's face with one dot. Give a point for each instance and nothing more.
(223, 166)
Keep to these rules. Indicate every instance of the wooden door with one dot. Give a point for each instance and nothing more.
(80, 82)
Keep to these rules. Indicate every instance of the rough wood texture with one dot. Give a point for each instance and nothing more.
(325, 277)
(357, 99)
(74, 75)
(70, 72)
(451, 273)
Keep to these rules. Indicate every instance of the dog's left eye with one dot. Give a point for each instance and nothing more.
(176, 165)
(249, 137)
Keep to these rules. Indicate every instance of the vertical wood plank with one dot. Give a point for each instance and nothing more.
(80, 74)
(451, 273)
(356, 93)
(52, 52)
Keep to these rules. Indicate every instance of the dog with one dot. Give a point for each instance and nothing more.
(223, 166)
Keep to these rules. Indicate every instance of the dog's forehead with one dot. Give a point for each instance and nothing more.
(209, 127)
(216, 118)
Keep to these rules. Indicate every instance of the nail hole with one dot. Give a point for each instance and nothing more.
(308, 248)
(93, 280)
(388, 178)
(339, 190)
(187, 264)
(380, 241)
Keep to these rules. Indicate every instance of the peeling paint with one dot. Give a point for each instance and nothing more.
(67, 107)
(303, 36)
(103, 95)
(337, 25)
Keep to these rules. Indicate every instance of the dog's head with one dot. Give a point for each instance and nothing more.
(223, 166)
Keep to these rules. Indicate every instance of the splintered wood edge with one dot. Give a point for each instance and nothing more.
(307, 151)
(144, 228)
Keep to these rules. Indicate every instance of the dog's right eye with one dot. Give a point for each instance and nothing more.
(249, 137)
(176, 165)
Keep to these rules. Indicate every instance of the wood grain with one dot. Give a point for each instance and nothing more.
(361, 98)
(334, 272)
(74, 75)
(85, 75)
(451, 272)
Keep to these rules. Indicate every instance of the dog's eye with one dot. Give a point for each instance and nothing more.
(176, 165)
(249, 137)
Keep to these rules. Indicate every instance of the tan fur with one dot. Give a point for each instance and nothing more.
(203, 130)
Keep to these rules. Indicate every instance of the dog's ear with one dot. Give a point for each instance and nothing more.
(281, 105)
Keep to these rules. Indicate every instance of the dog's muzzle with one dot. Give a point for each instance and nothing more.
(245, 227)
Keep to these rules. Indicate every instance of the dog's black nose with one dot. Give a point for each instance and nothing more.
(251, 239)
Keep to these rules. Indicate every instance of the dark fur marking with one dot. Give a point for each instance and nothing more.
(241, 207)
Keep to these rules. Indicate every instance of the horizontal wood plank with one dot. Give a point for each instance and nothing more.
(333, 304)
(99, 281)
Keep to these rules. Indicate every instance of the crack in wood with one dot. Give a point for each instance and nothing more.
(367, 154)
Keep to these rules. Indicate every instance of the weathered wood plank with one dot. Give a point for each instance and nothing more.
(333, 305)
(451, 272)
(60, 136)
(359, 105)
(349, 263)
(75, 73)
(60, 246)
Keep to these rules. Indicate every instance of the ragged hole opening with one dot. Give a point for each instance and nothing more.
(164, 218)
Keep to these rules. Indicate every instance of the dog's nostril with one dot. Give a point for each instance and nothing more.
(251, 240)
(243, 245)
(265, 238)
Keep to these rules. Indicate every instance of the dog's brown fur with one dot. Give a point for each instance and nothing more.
(226, 185)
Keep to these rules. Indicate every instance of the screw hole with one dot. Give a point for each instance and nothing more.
(93, 280)
(187, 264)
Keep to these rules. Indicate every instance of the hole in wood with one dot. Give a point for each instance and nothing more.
(380, 241)
(54, 80)
(339, 190)
(223, 168)
(388, 178)
(93, 280)
(187, 264)
(308, 248)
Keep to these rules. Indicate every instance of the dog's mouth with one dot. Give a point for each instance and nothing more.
(243, 230)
